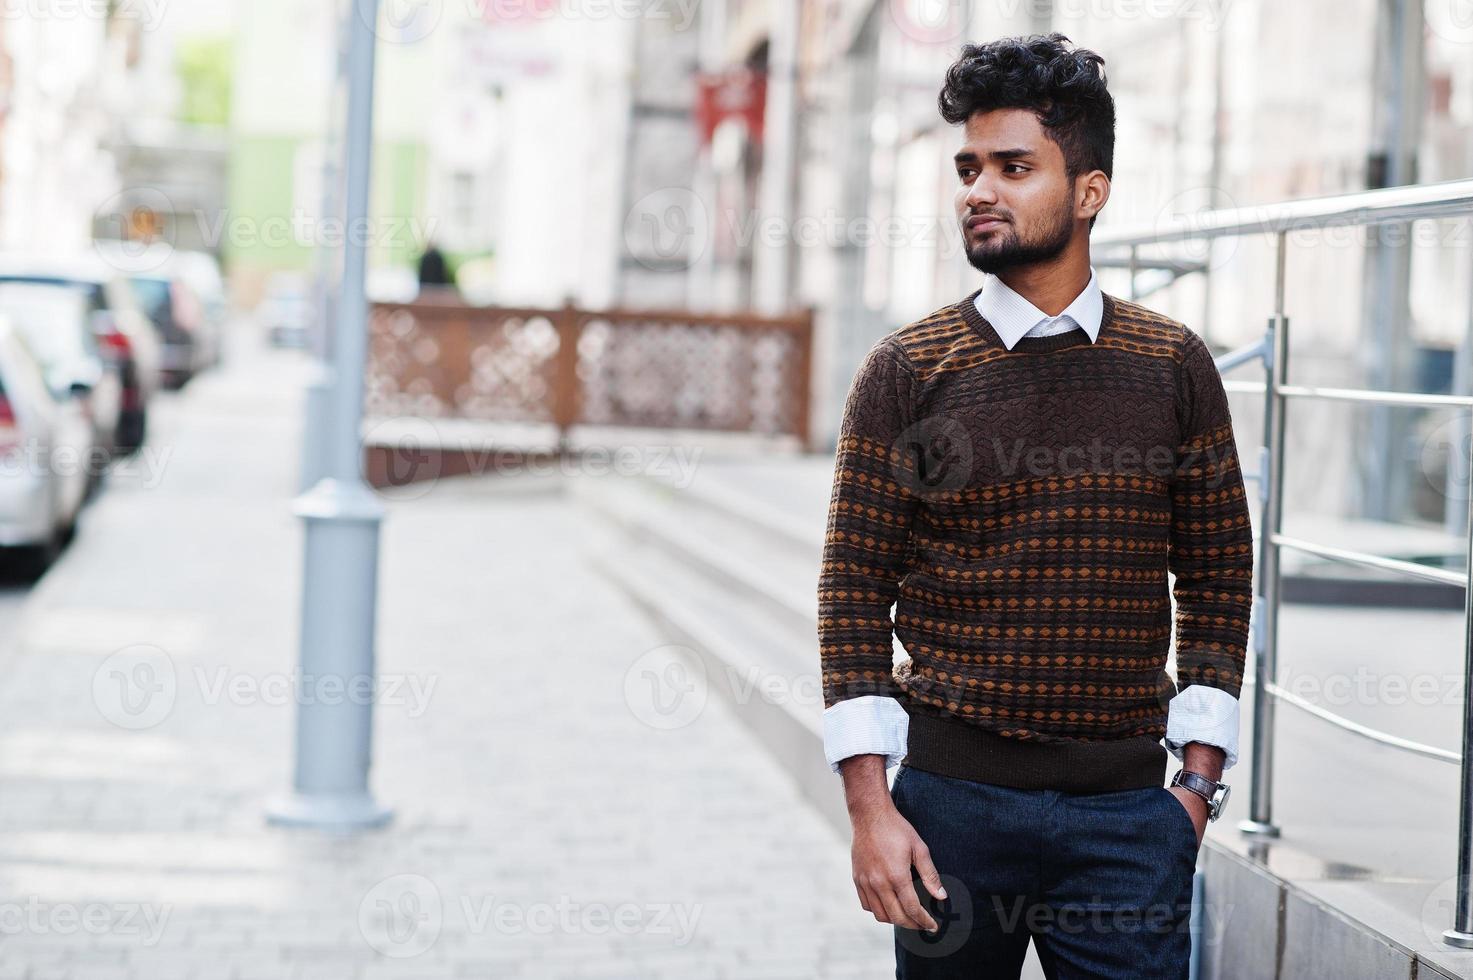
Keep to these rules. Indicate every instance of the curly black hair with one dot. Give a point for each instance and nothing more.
(1063, 85)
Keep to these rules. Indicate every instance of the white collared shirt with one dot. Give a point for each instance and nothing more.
(878, 725)
(1014, 317)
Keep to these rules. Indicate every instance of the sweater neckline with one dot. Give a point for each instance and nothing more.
(1059, 341)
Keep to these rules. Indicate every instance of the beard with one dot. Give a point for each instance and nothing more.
(1003, 249)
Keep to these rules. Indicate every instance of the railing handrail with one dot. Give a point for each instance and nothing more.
(1443, 199)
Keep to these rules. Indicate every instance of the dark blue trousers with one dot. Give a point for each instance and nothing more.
(1101, 882)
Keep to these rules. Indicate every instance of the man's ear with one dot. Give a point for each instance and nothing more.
(1093, 193)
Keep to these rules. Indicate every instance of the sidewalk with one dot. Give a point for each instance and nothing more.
(545, 825)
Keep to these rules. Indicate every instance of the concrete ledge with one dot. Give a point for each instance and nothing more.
(1272, 913)
(1241, 905)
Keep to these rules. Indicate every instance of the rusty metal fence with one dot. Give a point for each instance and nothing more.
(567, 366)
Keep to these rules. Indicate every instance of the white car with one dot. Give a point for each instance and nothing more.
(45, 446)
(121, 326)
(56, 324)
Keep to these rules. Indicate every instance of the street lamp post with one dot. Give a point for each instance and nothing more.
(318, 400)
(341, 517)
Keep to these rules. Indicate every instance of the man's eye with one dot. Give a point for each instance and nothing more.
(963, 172)
(1020, 167)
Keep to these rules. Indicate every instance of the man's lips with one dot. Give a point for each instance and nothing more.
(981, 223)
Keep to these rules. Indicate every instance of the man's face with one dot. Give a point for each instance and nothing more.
(1014, 202)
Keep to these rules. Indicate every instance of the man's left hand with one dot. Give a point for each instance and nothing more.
(1196, 808)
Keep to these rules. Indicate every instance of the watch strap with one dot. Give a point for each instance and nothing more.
(1196, 782)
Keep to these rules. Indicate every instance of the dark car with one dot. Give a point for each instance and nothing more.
(182, 293)
(170, 302)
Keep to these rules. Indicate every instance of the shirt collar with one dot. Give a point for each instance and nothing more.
(1012, 316)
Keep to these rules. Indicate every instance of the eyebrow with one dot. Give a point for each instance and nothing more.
(967, 156)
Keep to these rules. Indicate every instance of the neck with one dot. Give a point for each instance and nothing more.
(1052, 286)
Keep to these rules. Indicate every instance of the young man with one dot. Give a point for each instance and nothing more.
(1017, 473)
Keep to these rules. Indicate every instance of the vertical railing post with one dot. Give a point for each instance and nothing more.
(1131, 293)
(1270, 523)
(565, 373)
(1461, 934)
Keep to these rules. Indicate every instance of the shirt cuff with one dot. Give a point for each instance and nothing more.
(869, 725)
(1203, 714)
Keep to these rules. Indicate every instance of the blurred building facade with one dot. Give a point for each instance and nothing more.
(842, 197)
(61, 79)
(492, 123)
(93, 132)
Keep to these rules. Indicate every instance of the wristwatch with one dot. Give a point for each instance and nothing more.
(1214, 793)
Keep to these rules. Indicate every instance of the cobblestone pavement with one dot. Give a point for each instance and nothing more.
(542, 829)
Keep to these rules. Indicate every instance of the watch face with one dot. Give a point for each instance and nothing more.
(1220, 799)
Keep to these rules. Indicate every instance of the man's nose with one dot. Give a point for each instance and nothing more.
(983, 192)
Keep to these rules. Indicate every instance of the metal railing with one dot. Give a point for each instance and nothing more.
(1392, 205)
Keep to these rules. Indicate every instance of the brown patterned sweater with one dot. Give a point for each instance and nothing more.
(1021, 509)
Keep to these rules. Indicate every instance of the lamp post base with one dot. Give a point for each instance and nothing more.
(330, 812)
(1257, 828)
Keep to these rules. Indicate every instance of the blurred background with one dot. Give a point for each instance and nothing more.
(533, 429)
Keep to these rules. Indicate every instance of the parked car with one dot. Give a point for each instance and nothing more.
(42, 442)
(57, 326)
(183, 294)
(202, 271)
(125, 333)
(176, 313)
